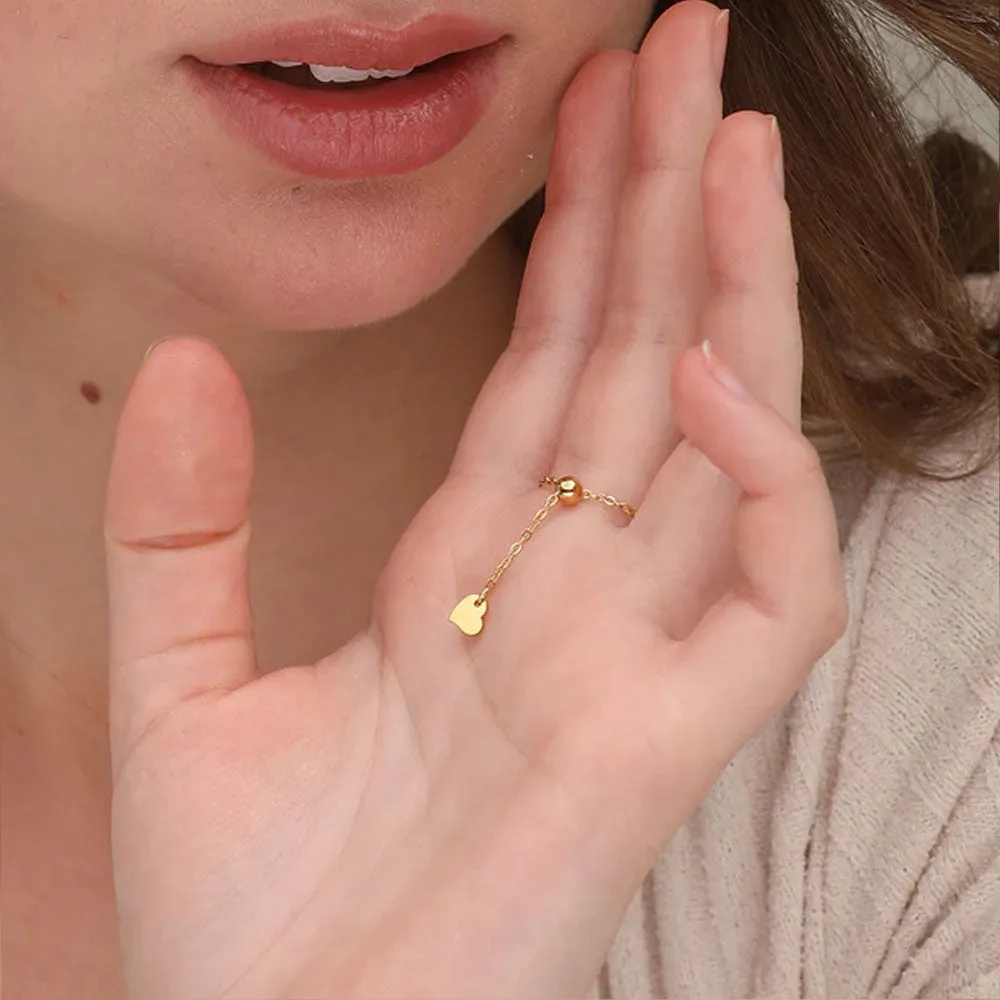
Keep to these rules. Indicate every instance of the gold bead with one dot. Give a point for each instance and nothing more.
(570, 491)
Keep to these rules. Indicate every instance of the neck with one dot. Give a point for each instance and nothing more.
(369, 407)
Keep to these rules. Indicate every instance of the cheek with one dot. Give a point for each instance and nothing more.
(581, 27)
(56, 71)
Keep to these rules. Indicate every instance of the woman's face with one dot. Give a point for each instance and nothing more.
(108, 126)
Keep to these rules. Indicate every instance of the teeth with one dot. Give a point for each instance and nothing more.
(345, 74)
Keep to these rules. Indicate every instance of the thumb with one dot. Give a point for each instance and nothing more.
(177, 532)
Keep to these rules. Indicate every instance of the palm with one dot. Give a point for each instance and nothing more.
(427, 814)
(366, 776)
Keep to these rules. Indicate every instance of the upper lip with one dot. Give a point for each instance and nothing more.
(340, 43)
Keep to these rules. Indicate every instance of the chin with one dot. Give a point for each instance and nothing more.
(336, 282)
(314, 260)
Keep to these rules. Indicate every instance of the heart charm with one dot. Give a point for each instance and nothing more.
(468, 615)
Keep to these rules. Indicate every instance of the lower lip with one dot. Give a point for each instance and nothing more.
(392, 128)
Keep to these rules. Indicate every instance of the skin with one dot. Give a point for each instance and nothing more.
(402, 810)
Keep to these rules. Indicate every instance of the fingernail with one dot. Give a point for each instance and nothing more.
(193, 336)
(777, 155)
(720, 40)
(152, 347)
(721, 372)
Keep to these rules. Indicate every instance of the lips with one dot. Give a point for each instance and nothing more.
(333, 43)
(390, 127)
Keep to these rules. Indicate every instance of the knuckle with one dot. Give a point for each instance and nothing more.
(806, 466)
(834, 614)
(663, 161)
(742, 273)
(678, 142)
(735, 277)
(824, 609)
(629, 323)
(735, 143)
(720, 157)
(812, 464)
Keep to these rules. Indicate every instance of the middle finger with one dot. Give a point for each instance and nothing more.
(618, 430)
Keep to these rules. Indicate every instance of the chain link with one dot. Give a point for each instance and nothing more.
(515, 549)
(536, 521)
(605, 498)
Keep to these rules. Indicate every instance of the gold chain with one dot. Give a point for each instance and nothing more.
(515, 549)
(470, 611)
(605, 498)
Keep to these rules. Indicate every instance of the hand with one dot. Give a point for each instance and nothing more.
(423, 814)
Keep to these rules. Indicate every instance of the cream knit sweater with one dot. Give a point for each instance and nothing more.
(853, 849)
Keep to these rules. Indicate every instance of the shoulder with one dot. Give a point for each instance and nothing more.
(918, 667)
(953, 522)
(910, 752)
(922, 561)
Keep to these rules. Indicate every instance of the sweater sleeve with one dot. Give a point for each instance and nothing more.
(905, 886)
(950, 933)
(952, 927)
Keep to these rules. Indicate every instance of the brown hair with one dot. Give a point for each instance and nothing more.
(896, 357)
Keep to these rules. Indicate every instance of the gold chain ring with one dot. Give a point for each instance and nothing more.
(470, 612)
